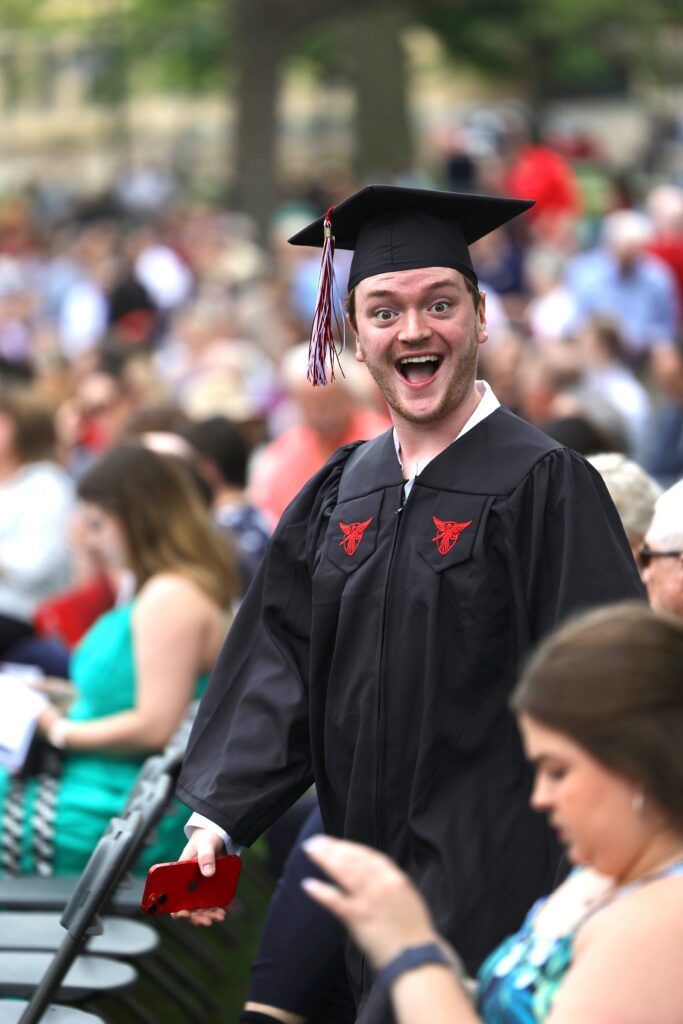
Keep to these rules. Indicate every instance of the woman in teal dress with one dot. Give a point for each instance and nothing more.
(135, 671)
(600, 709)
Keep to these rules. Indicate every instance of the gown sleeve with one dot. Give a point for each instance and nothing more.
(248, 757)
(572, 549)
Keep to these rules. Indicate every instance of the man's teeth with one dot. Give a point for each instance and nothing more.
(418, 369)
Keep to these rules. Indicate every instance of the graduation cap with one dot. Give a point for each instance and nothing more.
(390, 228)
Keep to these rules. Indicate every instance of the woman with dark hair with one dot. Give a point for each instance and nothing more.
(600, 709)
(137, 668)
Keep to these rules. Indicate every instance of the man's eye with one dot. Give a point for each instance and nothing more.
(383, 314)
(441, 307)
(556, 774)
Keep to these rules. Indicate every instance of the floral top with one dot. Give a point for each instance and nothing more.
(518, 982)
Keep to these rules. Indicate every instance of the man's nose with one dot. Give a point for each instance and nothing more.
(414, 326)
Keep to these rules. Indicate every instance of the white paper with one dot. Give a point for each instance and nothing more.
(20, 706)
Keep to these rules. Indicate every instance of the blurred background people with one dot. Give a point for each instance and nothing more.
(621, 280)
(535, 167)
(661, 555)
(95, 415)
(325, 419)
(664, 457)
(136, 670)
(633, 492)
(607, 375)
(664, 205)
(223, 456)
(551, 307)
(36, 501)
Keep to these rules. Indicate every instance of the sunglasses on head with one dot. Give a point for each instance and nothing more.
(645, 555)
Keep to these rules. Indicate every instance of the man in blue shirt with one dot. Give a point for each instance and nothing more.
(619, 279)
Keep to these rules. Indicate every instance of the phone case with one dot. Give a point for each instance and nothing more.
(180, 885)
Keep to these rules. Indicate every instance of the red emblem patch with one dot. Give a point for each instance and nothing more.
(447, 533)
(353, 535)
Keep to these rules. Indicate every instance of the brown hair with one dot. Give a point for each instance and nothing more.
(165, 523)
(350, 301)
(612, 680)
(35, 437)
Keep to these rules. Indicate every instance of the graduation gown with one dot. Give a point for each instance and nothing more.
(376, 651)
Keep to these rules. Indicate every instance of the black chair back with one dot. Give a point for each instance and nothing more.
(101, 875)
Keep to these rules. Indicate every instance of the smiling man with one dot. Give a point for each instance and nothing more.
(375, 653)
(419, 333)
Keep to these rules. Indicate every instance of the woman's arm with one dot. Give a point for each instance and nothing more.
(386, 915)
(431, 995)
(172, 626)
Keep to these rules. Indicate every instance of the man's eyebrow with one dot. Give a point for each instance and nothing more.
(383, 293)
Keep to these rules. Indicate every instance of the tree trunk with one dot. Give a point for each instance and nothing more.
(260, 49)
(383, 130)
(264, 33)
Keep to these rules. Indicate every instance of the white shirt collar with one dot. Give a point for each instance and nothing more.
(487, 404)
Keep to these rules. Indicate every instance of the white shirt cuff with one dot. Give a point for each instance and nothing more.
(199, 821)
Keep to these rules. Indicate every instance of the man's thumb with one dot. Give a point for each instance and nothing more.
(207, 862)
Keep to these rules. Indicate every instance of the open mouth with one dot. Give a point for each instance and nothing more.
(418, 369)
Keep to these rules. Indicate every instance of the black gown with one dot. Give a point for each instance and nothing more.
(376, 652)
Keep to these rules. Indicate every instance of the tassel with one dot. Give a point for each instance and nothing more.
(321, 347)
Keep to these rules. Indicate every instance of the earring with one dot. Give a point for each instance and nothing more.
(638, 801)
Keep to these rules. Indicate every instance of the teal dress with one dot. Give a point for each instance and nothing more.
(519, 981)
(50, 826)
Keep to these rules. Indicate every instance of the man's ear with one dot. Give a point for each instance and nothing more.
(482, 326)
(359, 351)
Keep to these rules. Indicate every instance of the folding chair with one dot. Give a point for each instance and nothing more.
(53, 893)
(41, 932)
(102, 873)
(145, 806)
(150, 795)
(12, 1009)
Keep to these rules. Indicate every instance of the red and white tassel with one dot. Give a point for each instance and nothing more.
(321, 347)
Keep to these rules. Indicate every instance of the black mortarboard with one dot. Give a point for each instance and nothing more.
(391, 228)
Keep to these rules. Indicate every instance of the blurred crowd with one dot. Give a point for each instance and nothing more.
(145, 312)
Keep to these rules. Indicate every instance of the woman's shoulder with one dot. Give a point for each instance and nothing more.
(626, 960)
(174, 593)
(646, 917)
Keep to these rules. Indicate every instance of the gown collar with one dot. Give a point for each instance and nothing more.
(491, 457)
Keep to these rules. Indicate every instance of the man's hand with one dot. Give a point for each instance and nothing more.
(205, 845)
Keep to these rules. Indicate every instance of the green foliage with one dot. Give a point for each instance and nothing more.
(18, 14)
(549, 47)
(182, 45)
(319, 52)
(179, 45)
(33, 17)
(555, 46)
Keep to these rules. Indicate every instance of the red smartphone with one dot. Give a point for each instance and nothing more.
(180, 885)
